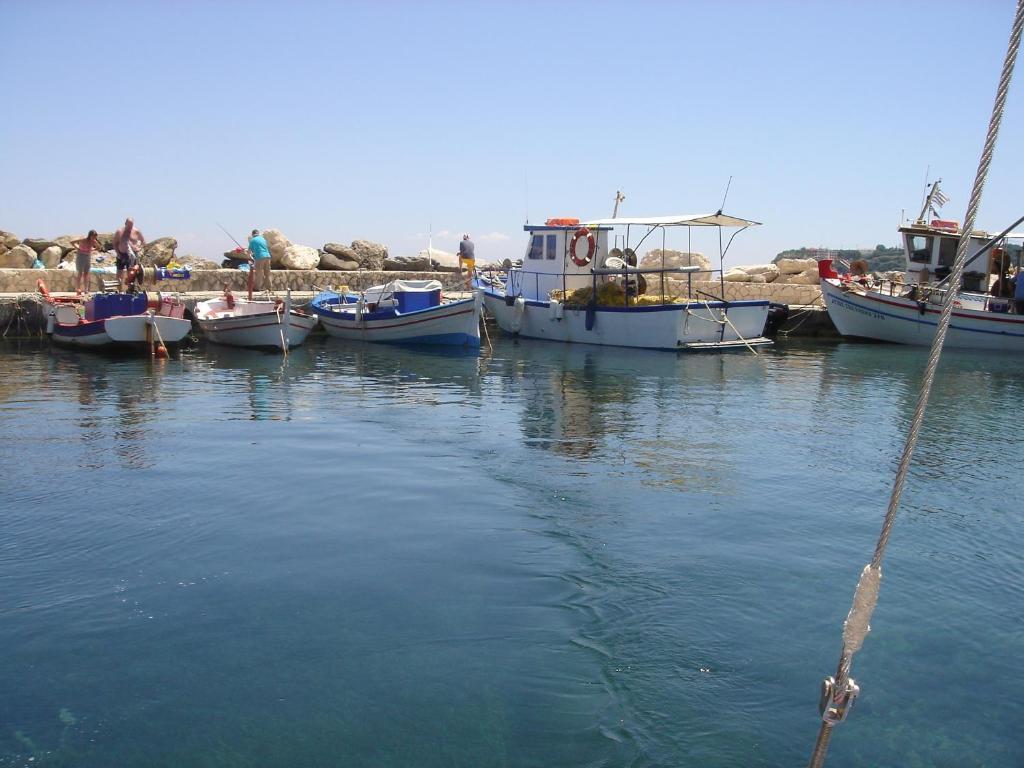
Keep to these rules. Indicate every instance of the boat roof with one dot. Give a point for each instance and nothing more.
(679, 220)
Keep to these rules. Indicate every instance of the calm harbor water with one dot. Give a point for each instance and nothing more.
(545, 556)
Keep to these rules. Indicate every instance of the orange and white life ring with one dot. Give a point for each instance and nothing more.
(41, 287)
(582, 261)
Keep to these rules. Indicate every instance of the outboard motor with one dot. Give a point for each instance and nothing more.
(777, 315)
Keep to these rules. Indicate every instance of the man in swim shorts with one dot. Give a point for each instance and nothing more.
(128, 243)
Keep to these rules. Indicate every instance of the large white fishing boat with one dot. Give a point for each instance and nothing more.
(581, 283)
(906, 310)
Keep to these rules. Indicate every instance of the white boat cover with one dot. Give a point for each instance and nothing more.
(680, 220)
(408, 286)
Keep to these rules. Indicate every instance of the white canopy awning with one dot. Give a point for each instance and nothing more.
(681, 220)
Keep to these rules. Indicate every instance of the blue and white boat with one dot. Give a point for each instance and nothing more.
(576, 284)
(401, 312)
(140, 321)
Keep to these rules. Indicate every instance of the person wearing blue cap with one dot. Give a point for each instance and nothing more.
(259, 255)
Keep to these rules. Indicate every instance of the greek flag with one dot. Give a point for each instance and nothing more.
(938, 198)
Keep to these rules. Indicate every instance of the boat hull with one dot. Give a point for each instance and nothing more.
(122, 331)
(265, 330)
(453, 324)
(694, 325)
(872, 315)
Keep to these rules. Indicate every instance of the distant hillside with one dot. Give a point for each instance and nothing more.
(881, 258)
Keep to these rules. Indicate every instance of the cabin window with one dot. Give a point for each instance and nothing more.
(947, 251)
(537, 247)
(550, 249)
(920, 248)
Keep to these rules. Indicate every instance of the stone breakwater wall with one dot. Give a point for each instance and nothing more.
(63, 280)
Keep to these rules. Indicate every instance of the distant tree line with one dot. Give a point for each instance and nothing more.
(882, 258)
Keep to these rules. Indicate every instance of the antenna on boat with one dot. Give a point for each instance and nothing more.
(619, 197)
(924, 194)
(526, 186)
(726, 195)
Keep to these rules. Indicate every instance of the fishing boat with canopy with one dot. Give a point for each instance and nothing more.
(906, 310)
(580, 282)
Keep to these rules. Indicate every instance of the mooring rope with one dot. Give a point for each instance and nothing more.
(839, 692)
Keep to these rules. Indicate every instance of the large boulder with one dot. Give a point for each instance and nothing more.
(277, 243)
(769, 272)
(195, 262)
(736, 275)
(18, 257)
(407, 264)
(300, 257)
(51, 256)
(66, 242)
(675, 259)
(330, 260)
(807, 277)
(159, 252)
(344, 252)
(38, 244)
(8, 240)
(795, 266)
(369, 255)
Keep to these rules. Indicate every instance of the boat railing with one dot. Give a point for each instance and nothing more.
(517, 279)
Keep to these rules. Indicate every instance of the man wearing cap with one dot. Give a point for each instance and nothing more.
(259, 255)
(467, 259)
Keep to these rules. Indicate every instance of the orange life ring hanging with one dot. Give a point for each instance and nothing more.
(591, 247)
(41, 287)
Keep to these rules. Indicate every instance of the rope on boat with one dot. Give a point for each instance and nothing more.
(725, 319)
(838, 692)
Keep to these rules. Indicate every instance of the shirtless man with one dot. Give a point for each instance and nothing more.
(128, 243)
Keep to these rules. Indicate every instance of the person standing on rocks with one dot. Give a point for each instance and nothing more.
(259, 255)
(128, 243)
(467, 259)
(83, 260)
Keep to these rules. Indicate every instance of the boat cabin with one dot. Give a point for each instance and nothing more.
(930, 249)
(558, 257)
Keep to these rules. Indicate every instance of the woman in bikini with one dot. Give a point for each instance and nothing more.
(83, 260)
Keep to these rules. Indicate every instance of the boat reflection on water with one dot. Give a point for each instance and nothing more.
(409, 374)
(620, 407)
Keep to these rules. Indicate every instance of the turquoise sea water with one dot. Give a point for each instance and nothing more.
(545, 556)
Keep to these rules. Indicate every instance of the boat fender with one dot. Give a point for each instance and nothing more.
(41, 287)
(921, 306)
(518, 310)
(51, 321)
(555, 310)
(582, 261)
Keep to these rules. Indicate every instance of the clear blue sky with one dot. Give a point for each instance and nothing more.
(378, 120)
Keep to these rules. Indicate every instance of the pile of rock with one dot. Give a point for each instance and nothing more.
(788, 271)
(22, 254)
(675, 259)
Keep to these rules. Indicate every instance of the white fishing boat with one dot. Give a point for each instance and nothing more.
(259, 324)
(576, 284)
(128, 321)
(906, 311)
(401, 312)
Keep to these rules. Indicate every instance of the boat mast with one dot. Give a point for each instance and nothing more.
(619, 197)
